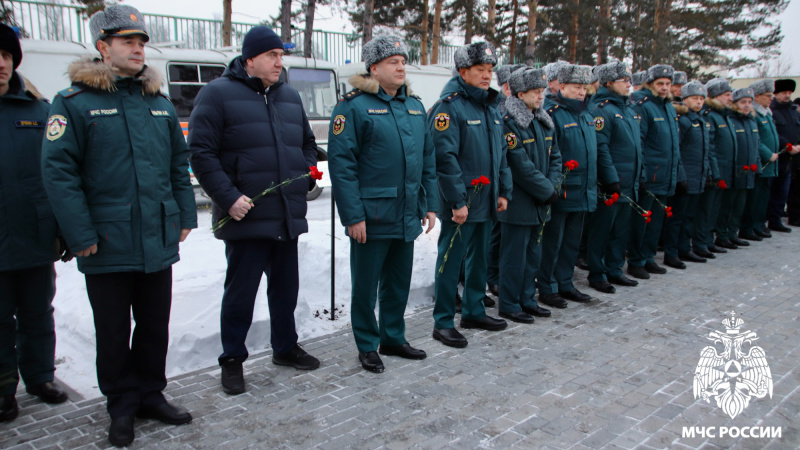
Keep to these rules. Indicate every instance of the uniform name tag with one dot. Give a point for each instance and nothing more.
(103, 112)
(570, 125)
(377, 111)
(755, 130)
(723, 126)
(658, 119)
(159, 113)
(617, 115)
(740, 131)
(29, 124)
(497, 122)
(695, 125)
(415, 112)
(473, 122)
(528, 141)
(764, 122)
(548, 138)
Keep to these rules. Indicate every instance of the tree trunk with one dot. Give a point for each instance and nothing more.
(369, 6)
(437, 19)
(309, 31)
(573, 36)
(226, 22)
(512, 46)
(423, 41)
(286, 20)
(491, 29)
(656, 32)
(470, 7)
(605, 27)
(533, 14)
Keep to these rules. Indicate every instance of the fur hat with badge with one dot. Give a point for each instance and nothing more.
(117, 20)
(717, 87)
(659, 71)
(679, 77)
(693, 88)
(613, 71)
(739, 94)
(551, 70)
(526, 79)
(382, 47)
(575, 74)
(639, 78)
(763, 86)
(505, 72)
(474, 54)
(9, 41)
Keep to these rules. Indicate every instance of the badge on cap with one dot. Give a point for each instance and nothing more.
(511, 140)
(488, 51)
(133, 17)
(441, 122)
(56, 127)
(338, 124)
(397, 43)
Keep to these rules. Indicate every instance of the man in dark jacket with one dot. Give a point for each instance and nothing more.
(28, 241)
(383, 169)
(468, 134)
(248, 131)
(787, 184)
(116, 159)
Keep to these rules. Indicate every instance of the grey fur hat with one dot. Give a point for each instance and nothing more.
(117, 20)
(739, 94)
(639, 78)
(612, 71)
(504, 73)
(659, 71)
(524, 80)
(382, 47)
(575, 74)
(717, 87)
(474, 54)
(551, 70)
(763, 86)
(693, 88)
(680, 78)
(594, 77)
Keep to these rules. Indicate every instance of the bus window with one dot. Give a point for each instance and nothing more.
(185, 81)
(317, 88)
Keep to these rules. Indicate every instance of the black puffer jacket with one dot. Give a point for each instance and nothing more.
(244, 140)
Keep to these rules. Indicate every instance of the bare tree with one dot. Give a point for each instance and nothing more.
(468, 25)
(286, 20)
(423, 41)
(369, 20)
(777, 67)
(437, 20)
(227, 11)
(309, 30)
(573, 35)
(530, 47)
(491, 29)
(512, 47)
(602, 41)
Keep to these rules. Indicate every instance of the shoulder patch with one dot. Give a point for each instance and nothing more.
(599, 123)
(353, 94)
(56, 126)
(511, 140)
(338, 124)
(70, 91)
(441, 121)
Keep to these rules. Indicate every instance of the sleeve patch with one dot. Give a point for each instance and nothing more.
(511, 140)
(441, 121)
(338, 124)
(599, 123)
(56, 127)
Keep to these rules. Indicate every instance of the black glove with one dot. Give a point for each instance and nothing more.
(552, 198)
(63, 250)
(710, 183)
(682, 187)
(613, 188)
(642, 188)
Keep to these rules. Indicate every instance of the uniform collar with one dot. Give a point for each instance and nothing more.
(486, 97)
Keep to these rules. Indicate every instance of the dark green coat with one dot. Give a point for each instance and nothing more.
(617, 127)
(723, 141)
(768, 135)
(467, 132)
(660, 143)
(117, 163)
(382, 161)
(28, 229)
(749, 145)
(695, 148)
(577, 140)
(534, 160)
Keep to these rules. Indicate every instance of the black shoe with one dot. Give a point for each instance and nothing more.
(450, 337)
(404, 351)
(120, 433)
(622, 280)
(487, 323)
(494, 290)
(488, 302)
(519, 317)
(652, 267)
(232, 377)
(691, 257)
(553, 300)
(8, 408)
(725, 244)
(297, 358)
(576, 296)
(537, 311)
(739, 242)
(750, 237)
(580, 263)
(48, 392)
(603, 286)
(780, 227)
(166, 413)
(370, 361)
(674, 262)
(764, 233)
(638, 272)
(715, 249)
(704, 254)
(458, 303)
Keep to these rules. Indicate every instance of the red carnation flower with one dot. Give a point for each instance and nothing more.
(315, 174)
(647, 214)
(754, 167)
(571, 164)
(615, 196)
(647, 220)
(745, 168)
(722, 184)
(609, 201)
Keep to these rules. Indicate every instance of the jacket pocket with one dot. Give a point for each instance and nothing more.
(380, 204)
(113, 225)
(171, 214)
(46, 225)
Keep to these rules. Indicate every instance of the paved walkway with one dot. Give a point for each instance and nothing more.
(616, 373)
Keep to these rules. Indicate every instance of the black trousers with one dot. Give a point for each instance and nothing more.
(131, 371)
(247, 261)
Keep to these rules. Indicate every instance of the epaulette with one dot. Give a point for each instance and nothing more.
(603, 103)
(552, 108)
(646, 98)
(164, 95)
(353, 94)
(452, 97)
(416, 97)
(70, 91)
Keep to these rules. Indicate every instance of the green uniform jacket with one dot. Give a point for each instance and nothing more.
(660, 144)
(577, 141)
(534, 160)
(769, 141)
(695, 148)
(467, 132)
(382, 161)
(723, 141)
(749, 144)
(617, 127)
(117, 170)
(28, 229)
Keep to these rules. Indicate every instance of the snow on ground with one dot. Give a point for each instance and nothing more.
(197, 293)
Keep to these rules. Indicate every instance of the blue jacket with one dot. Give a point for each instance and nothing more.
(787, 122)
(770, 143)
(748, 143)
(695, 148)
(660, 142)
(244, 140)
(382, 161)
(722, 137)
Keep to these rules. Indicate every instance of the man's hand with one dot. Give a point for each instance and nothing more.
(460, 215)
(240, 208)
(185, 232)
(502, 204)
(773, 157)
(430, 220)
(358, 231)
(793, 150)
(89, 251)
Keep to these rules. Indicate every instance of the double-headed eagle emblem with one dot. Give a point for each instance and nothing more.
(732, 377)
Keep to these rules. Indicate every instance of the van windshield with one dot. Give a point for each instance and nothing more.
(317, 88)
